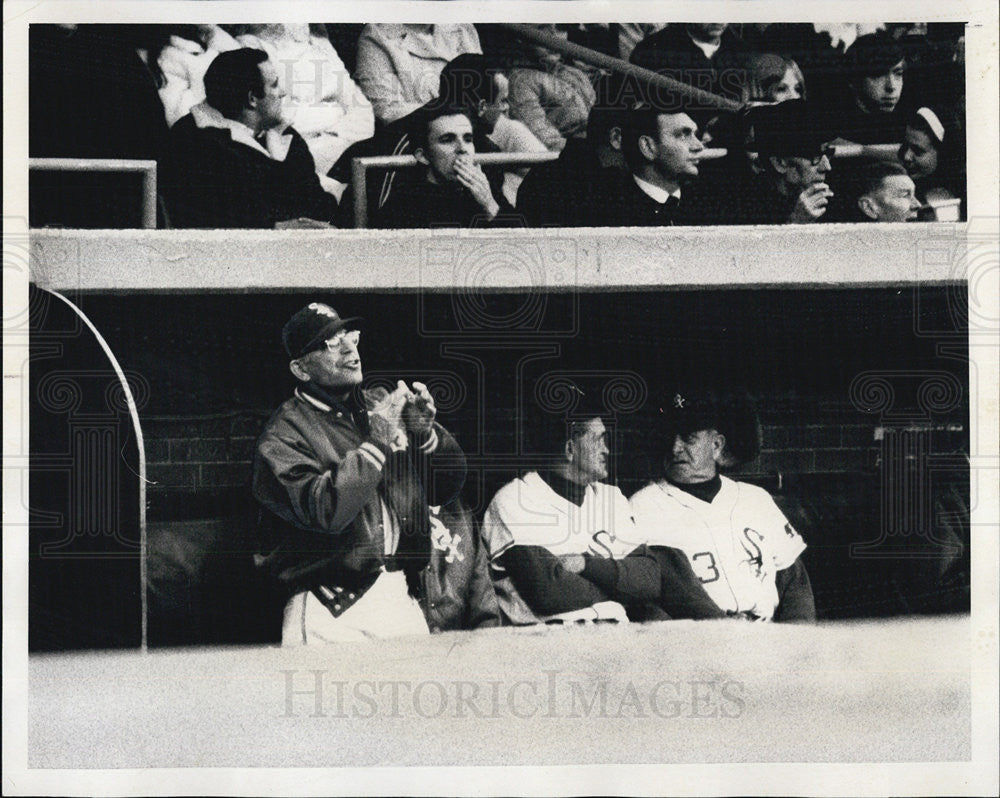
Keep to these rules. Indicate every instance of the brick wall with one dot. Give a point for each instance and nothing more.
(213, 369)
(192, 461)
(190, 454)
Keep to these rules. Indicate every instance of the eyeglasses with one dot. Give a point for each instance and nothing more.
(827, 150)
(336, 343)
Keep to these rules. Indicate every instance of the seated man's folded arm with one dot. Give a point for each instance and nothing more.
(635, 577)
(544, 584)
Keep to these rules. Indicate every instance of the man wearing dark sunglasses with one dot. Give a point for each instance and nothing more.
(349, 480)
(794, 157)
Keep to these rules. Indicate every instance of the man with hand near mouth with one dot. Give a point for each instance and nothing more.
(449, 189)
(724, 547)
(347, 478)
(788, 181)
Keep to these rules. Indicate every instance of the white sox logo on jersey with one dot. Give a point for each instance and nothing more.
(601, 546)
(443, 540)
(751, 541)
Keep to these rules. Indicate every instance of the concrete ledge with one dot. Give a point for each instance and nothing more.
(679, 691)
(590, 259)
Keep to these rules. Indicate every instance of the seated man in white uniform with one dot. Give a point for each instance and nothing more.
(724, 546)
(561, 542)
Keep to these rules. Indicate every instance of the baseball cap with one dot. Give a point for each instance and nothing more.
(794, 127)
(310, 327)
(732, 415)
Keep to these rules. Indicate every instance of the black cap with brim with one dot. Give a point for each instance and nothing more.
(306, 331)
(733, 416)
(791, 128)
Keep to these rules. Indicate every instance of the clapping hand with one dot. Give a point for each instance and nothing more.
(385, 414)
(419, 410)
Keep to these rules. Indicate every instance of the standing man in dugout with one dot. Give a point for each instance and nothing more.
(561, 541)
(352, 482)
(724, 546)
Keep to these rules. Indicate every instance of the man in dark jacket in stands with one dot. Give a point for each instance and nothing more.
(662, 150)
(784, 178)
(352, 484)
(233, 161)
(470, 82)
(447, 189)
(706, 55)
(870, 111)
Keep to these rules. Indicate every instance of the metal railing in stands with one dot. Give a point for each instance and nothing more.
(147, 168)
(360, 166)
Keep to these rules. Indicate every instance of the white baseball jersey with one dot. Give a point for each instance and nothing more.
(736, 543)
(528, 512)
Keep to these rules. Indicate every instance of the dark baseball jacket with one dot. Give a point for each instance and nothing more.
(321, 480)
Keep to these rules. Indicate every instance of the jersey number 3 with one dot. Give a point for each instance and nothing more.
(704, 566)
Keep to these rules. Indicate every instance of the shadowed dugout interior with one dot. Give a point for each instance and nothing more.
(863, 409)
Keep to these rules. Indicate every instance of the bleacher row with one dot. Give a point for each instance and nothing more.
(107, 96)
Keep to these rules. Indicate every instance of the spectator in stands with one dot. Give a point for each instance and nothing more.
(772, 79)
(399, 65)
(933, 152)
(870, 114)
(885, 193)
(724, 548)
(89, 96)
(786, 182)
(509, 135)
(563, 193)
(706, 55)
(561, 539)
(450, 190)
(322, 102)
(348, 523)
(631, 33)
(549, 96)
(178, 56)
(471, 81)
(662, 151)
(234, 162)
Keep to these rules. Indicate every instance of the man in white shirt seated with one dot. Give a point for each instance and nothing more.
(561, 541)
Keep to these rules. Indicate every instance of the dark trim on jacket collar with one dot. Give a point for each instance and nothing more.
(706, 491)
